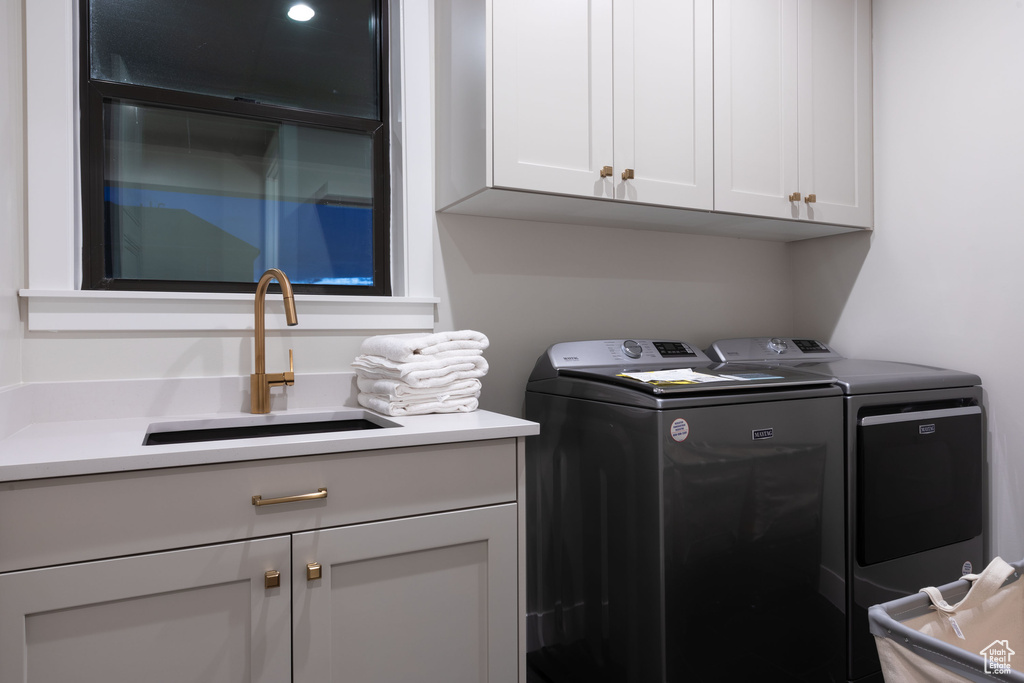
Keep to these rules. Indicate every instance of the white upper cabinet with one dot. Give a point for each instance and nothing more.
(686, 115)
(553, 96)
(596, 99)
(663, 102)
(793, 109)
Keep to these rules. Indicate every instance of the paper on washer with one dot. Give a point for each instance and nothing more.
(688, 376)
(678, 376)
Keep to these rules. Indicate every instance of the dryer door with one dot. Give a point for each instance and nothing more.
(918, 481)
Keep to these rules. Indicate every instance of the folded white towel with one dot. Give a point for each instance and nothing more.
(422, 373)
(407, 347)
(380, 363)
(381, 404)
(413, 401)
(395, 389)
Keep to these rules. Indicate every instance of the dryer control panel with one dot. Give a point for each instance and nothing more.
(771, 349)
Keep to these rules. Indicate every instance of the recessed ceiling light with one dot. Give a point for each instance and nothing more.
(300, 12)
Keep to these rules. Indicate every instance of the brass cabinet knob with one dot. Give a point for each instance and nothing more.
(795, 197)
(313, 571)
(272, 579)
(627, 174)
(811, 199)
(606, 171)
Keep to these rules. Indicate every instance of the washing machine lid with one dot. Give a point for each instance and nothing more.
(855, 376)
(711, 377)
(662, 368)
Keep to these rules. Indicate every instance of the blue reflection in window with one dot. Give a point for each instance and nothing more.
(316, 243)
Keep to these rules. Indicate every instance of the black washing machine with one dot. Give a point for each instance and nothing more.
(679, 513)
(914, 501)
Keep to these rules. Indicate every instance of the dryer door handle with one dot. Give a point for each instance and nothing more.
(920, 415)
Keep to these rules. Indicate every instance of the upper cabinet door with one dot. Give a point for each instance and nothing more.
(552, 96)
(793, 109)
(835, 111)
(664, 135)
(756, 125)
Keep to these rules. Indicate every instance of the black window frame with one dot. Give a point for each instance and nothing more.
(94, 93)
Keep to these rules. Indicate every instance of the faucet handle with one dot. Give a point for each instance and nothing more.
(277, 379)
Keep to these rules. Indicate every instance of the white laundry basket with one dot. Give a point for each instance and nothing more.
(968, 630)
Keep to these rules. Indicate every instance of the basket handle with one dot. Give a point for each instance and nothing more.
(985, 586)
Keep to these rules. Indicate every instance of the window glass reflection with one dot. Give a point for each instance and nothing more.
(243, 49)
(205, 197)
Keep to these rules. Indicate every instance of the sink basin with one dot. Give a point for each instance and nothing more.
(257, 426)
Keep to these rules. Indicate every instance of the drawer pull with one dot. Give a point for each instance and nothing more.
(320, 493)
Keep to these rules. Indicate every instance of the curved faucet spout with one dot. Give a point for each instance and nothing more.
(260, 381)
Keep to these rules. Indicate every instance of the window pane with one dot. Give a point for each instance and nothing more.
(246, 49)
(204, 197)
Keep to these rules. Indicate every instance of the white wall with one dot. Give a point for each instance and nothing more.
(943, 281)
(12, 189)
(528, 285)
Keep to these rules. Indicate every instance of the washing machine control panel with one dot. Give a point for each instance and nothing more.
(771, 348)
(632, 348)
(627, 352)
(674, 350)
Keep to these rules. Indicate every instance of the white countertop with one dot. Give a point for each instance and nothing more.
(75, 428)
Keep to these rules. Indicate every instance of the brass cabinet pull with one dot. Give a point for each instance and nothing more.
(313, 571)
(811, 199)
(320, 493)
(795, 197)
(627, 174)
(606, 171)
(272, 579)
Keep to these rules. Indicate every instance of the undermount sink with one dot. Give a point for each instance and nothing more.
(257, 426)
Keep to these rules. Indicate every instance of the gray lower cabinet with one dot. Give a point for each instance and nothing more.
(423, 599)
(200, 614)
(375, 587)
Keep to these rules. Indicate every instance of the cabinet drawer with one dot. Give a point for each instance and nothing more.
(55, 521)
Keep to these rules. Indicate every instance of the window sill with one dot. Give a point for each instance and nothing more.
(106, 311)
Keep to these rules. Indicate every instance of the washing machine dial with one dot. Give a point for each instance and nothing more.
(778, 345)
(632, 349)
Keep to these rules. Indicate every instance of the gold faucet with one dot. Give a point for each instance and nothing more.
(260, 382)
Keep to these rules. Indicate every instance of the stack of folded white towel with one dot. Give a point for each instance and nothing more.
(415, 374)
